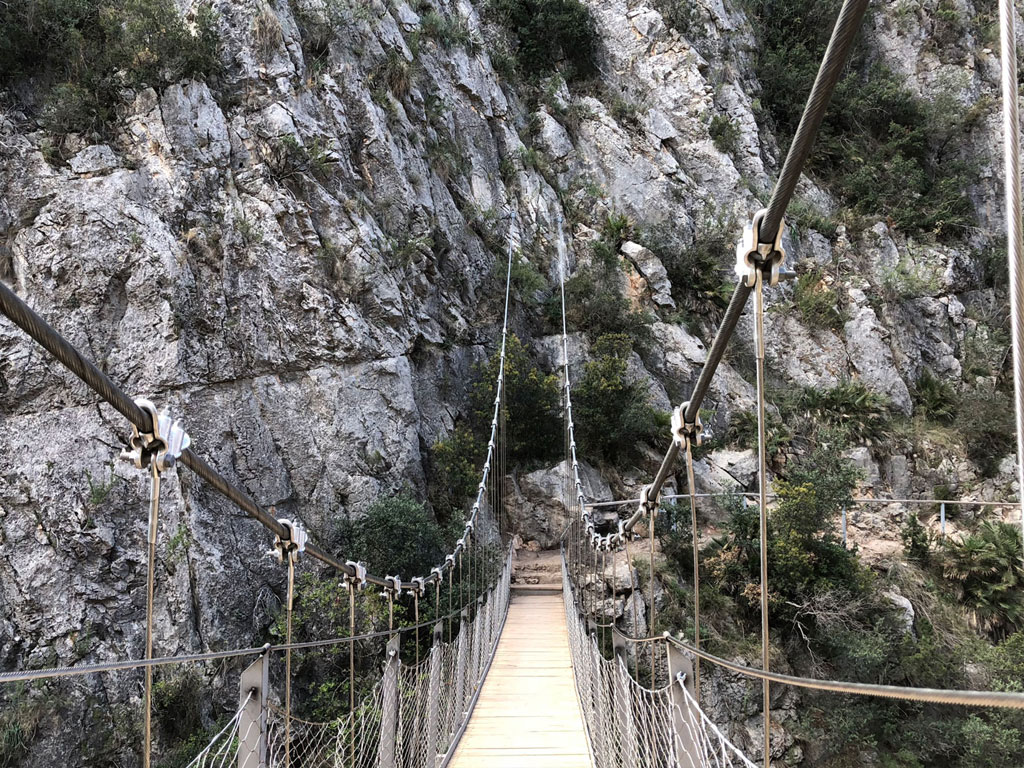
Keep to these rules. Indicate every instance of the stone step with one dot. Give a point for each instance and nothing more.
(536, 589)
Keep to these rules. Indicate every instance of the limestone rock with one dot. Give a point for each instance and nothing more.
(538, 512)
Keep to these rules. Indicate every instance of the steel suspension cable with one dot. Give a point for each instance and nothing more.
(841, 43)
(1014, 225)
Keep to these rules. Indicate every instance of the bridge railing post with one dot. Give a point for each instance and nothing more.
(459, 698)
(434, 695)
(625, 722)
(389, 701)
(477, 657)
(253, 686)
(686, 722)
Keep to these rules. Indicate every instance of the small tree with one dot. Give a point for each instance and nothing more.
(613, 414)
(531, 402)
(398, 535)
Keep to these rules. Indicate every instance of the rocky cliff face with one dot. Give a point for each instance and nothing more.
(299, 261)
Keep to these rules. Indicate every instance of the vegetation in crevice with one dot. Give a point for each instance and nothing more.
(84, 54)
(549, 34)
(885, 151)
(594, 303)
(613, 414)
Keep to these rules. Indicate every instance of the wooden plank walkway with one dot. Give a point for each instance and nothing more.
(528, 715)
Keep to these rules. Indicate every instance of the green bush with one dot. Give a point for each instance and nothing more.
(805, 558)
(935, 399)
(725, 133)
(742, 433)
(916, 542)
(547, 32)
(613, 416)
(849, 410)
(398, 536)
(532, 405)
(20, 717)
(85, 52)
(457, 461)
(884, 150)
(987, 421)
(448, 31)
(698, 270)
(593, 303)
(816, 302)
(178, 701)
(682, 15)
(987, 570)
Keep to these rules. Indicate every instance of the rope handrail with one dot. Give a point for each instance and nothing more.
(64, 352)
(1002, 699)
(854, 500)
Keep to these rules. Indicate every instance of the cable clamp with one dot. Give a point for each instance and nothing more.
(293, 543)
(471, 523)
(450, 561)
(647, 505)
(439, 571)
(682, 430)
(752, 254)
(162, 446)
(392, 586)
(358, 580)
(419, 586)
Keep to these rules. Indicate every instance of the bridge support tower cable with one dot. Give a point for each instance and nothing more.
(762, 485)
(1014, 224)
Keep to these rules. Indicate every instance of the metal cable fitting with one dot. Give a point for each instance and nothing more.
(752, 254)
(419, 586)
(647, 505)
(392, 585)
(358, 579)
(293, 543)
(162, 446)
(682, 430)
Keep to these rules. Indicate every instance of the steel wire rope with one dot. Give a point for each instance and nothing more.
(1014, 224)
(1000, 699)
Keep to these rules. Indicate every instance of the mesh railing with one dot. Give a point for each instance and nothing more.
(412, 718)
(630, 724)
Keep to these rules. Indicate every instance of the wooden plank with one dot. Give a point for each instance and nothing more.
(528, 715)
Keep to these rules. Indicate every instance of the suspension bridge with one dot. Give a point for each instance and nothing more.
(485, 674)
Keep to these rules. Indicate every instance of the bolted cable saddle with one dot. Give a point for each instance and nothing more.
(162, 446)
(752, 254)
(358, 580)
(290, 546)
(683, 431)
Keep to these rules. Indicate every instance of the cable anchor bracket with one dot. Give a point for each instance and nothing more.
(162, 446)
(752, 254)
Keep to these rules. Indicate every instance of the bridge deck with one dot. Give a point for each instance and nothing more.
(528, 715)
